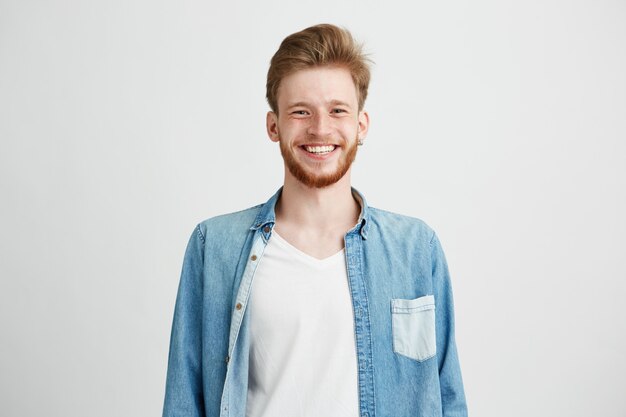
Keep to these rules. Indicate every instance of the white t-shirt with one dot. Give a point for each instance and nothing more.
(302, 348)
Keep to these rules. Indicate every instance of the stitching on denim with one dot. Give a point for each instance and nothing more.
(409, 310)
(240, 317)
(360, 258)
(200, 235)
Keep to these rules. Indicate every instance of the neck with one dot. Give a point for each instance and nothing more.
(322, 209)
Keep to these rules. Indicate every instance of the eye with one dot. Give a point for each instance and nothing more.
(300, 112)
(338, 111)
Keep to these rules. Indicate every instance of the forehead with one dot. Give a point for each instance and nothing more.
(318, 85)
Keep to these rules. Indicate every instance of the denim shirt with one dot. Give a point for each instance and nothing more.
(401, 299)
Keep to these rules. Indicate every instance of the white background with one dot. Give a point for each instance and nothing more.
(123, 123)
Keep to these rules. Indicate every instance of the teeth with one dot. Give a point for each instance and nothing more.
(320, 149)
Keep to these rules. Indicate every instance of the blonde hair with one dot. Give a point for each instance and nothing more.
(315, 46)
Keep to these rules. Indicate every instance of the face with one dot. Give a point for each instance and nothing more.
(318, 125)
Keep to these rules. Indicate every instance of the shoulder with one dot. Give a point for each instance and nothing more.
(400, 235)
(399, 225)
(229, 224)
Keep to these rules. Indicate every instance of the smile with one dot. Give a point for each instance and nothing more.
(319, 150)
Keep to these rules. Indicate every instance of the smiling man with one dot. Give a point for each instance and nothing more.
(313, 303)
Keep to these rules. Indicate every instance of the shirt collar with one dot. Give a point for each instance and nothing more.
(267, 214)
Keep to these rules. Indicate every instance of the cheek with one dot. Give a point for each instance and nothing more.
(350, 127)
(291, 128)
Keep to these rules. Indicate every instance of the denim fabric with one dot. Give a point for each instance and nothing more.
(401, 298)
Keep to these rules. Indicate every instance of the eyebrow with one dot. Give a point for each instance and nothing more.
(305, 104)
(339, 103)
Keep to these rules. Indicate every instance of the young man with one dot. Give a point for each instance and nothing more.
(314, 304)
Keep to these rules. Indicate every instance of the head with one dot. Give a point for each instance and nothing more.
(316, 87)
(318, 46)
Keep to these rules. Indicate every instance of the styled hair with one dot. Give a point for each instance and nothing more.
(318, 45)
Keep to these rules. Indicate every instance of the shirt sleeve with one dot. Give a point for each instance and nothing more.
(183, 390)
(450, 380)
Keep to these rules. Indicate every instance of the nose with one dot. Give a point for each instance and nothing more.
(320, 125)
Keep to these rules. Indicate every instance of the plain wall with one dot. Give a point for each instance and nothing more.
(124, 123)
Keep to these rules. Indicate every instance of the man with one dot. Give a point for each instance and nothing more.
(314, 304)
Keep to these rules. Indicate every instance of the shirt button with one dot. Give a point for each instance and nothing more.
(238, 306)
(266, 229)
(253, 257)
(227, 359)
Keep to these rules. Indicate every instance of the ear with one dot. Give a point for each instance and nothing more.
(364, 124)
(271, 123)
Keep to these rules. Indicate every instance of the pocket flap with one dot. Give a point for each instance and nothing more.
(402, 306)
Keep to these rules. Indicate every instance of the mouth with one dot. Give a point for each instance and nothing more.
(319, 150)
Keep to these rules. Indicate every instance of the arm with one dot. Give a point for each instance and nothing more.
(450, 381)
(183, 392)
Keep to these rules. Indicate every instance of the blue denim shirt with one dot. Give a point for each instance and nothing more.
(403, 316)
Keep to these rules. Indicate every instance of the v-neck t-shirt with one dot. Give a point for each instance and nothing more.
(302, 348)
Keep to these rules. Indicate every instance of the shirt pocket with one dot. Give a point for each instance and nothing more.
(413, 327)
